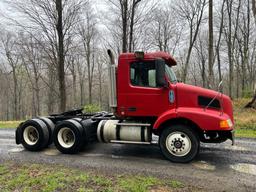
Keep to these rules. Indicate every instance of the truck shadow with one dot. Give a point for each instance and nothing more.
(126, 150)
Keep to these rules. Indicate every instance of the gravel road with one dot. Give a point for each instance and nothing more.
(218, 167)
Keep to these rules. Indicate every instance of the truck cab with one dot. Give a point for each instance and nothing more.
(140, 93)
(147, 89)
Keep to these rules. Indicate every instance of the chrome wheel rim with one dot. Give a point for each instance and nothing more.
(66, 137)
(31, 135)
(178, 144)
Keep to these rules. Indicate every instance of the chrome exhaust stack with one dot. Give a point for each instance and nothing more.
(112, 80)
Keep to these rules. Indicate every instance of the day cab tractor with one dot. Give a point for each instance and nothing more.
(146, 99)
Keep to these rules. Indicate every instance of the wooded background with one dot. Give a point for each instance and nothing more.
(53, 52)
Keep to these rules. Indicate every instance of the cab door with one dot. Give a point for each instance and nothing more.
(143, 96)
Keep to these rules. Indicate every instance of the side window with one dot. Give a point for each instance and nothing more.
(152, 78)
(132, 72)
(143, 73)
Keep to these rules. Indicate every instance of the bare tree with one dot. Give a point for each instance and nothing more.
(33, 63)
(56, 20)
(101, 63)
(134, 6)
(230, 34)
(72, 66)
(254, 8)
(5, 95)
(201, 47)
(218, 44)
(88, 34)
(81, 76)
(192, 12)
(9, 45)
(128, 15)
(164, 30)
(210, 49)
(60, 55)
(251, 104)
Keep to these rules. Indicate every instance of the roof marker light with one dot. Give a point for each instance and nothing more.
(139, 54)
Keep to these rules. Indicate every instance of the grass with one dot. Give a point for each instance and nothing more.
(245, 133)
(9, 124)
(245, 119)
(35, 177)
(138, 183)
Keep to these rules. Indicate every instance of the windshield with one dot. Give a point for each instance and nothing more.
(170, 74)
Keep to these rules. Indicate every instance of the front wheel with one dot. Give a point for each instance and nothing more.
(179, 143)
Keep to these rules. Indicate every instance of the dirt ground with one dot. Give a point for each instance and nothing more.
(218, 167)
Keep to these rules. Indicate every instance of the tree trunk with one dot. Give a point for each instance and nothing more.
(185, 71)
(33, 104)
(38, 98)
(124, 9)
(50, 103)
(88, 60)
(81, 93)
(251, 104)
(237, 82)
(15, 90)
(254, 8)
(230, 45)
(74, 89)
(61, 59)
(192, 38)
(210, 49)
(134, 4)
(100, 91)
(219, 41)
(203, 72)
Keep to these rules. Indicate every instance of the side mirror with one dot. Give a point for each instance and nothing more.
(160, 73)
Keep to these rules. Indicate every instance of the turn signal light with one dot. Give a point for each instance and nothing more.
(226, 123)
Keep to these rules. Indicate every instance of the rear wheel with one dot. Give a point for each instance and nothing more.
(50, 126)
(34, 135)
(179, 143)
(68, 137)
(30, 135)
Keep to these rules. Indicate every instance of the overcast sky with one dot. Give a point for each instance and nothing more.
(5, 10)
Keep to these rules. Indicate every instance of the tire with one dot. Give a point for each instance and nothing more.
(179, 143)
(90, 131)
(50, 126)
(68, 137)
(34, 135)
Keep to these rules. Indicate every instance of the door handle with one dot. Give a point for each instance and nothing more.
(132, 109)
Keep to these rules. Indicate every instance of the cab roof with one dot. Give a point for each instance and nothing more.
(151, 55)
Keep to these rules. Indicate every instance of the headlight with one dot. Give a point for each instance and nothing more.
(226, 123)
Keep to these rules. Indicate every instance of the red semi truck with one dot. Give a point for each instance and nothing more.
(146, 99)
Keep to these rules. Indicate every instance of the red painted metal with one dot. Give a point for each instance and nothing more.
(135, 101)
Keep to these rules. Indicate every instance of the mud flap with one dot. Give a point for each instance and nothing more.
(233, 137)
(18, 134)
(229, 135)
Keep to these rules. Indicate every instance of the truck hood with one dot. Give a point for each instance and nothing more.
(187, 96)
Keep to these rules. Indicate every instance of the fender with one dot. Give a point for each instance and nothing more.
(207, 120)
(170, 114)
